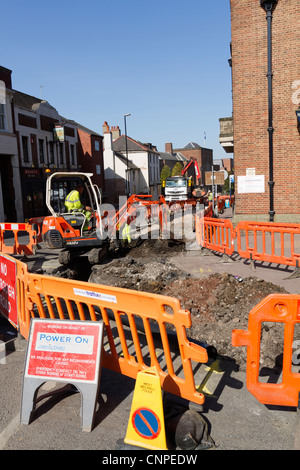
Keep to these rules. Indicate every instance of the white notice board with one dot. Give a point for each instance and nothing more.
(251, 184)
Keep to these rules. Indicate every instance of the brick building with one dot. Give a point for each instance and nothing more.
(10, 183)
(39, 151)
(251, 106)
(204, 157)
(30, 150)
(90, 154)
(170, 158)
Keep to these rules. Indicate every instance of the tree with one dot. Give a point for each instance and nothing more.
(177, 169)
(165, 173)
(226, 186)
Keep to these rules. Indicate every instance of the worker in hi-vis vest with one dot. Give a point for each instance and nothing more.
(126, 238)
(73, 203)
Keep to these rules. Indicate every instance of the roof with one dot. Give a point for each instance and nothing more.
(123, 159)
(83, 128)
(192, 145)
(173, 157)
(22, 100)
(119, 145)
(167, 156)
(181, 157)
(25, 101)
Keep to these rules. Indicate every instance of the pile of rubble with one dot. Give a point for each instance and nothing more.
(218, 304)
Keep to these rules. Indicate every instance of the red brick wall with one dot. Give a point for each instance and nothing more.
(228, 164)
(89, 157)
(250, 105)
(204, 158)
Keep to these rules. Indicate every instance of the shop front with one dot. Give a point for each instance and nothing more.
(34, 190)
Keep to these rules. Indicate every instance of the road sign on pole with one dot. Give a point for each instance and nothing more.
(218, 178)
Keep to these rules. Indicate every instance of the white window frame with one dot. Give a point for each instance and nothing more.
(3, 117)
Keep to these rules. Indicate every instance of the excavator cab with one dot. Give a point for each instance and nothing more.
(59, 185)
(71, 231)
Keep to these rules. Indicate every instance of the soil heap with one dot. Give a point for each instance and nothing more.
(218, 303)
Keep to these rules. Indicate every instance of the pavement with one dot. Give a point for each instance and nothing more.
(235, 419)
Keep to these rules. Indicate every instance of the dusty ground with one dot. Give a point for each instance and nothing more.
(218, 303)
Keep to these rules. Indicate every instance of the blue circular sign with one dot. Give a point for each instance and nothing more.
(146, 423)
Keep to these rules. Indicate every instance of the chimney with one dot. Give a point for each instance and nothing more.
(169, 148)
(105, 127)
(115, 131)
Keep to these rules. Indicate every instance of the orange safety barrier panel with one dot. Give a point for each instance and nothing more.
(221, 204)
(11, 244)
(282, 242)
(128, 211)
(37, 224)
(49, 297)
(283, 308)
(209, 210)
(261, 241)
(215, 234)
(199, 224)
(225, 197)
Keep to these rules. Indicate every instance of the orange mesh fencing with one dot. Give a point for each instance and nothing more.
(284, 309)
(125, 314)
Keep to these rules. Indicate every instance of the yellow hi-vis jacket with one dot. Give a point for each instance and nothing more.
(126, 233)
(72, 201)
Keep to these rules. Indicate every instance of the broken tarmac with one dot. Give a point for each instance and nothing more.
(237, 421)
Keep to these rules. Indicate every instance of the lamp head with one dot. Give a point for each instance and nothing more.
(268, 5)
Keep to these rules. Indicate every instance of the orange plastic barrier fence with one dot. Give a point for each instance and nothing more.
(225, 197)
(261, 241)
(282, 243)
(37, 223)
(11, 242)
(221, 204)
(49, 297)
(274, 308)
(217, 234)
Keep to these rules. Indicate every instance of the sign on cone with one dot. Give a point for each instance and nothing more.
(146, 426)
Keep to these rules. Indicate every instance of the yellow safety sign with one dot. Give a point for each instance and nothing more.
(146, 426)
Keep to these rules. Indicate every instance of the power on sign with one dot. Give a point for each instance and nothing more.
(64, 350)
(8, 294)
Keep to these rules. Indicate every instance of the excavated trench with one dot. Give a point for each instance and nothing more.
(218, 303)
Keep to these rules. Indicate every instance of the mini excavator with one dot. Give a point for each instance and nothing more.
(69, 231)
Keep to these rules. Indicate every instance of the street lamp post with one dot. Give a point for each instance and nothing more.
(126, 149)
(269, 6)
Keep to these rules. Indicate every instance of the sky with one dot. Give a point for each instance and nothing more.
(164, 62)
